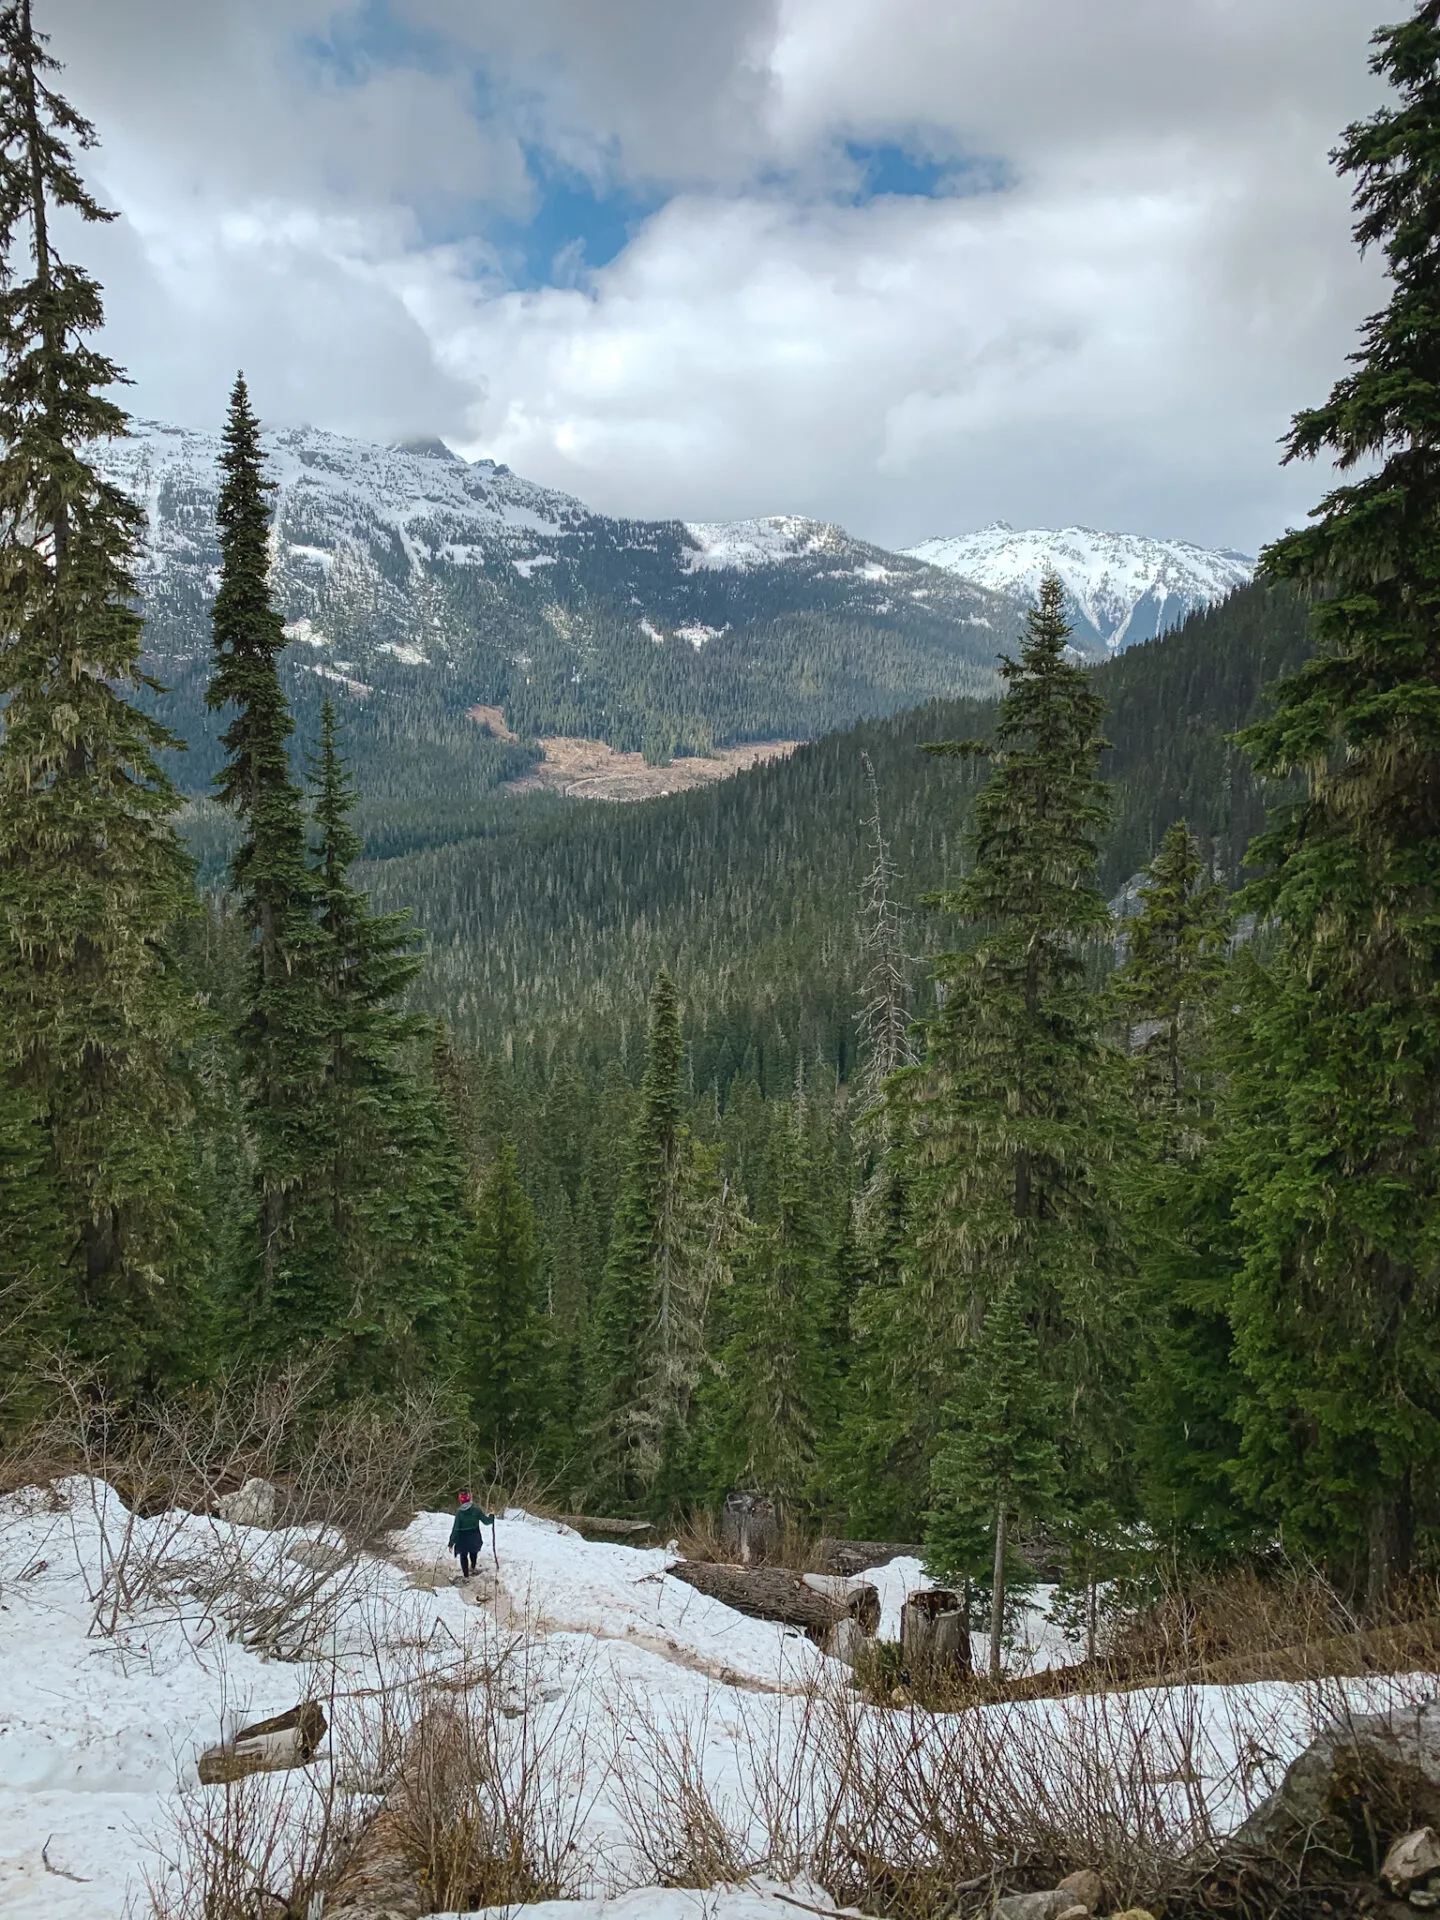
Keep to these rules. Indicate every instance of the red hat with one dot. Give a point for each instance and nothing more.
(462, 1497)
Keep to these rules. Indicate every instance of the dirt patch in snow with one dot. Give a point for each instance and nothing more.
(589, 770)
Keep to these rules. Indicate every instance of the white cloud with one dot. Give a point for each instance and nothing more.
(1119, 337)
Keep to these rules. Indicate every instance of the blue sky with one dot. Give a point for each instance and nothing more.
(913, 265)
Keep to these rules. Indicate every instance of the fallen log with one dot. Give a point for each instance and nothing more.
(774, 1593)
(859, 1556)
(285, 1740)
(628, 1531)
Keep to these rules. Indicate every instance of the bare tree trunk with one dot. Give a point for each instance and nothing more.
(997, 1590)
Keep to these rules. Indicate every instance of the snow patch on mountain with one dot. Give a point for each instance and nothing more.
(1121, 587)
(723, 544)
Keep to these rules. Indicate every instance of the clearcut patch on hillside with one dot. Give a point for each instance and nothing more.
(589, 770)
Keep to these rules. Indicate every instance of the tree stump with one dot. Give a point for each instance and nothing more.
(935, 1632)
(749, 1528)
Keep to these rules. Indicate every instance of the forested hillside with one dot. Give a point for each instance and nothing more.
(421, 585)
(546, 931)
(814, 1133)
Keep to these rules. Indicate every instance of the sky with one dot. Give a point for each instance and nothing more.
(909, 265)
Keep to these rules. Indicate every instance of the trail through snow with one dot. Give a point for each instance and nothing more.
(99, 1732)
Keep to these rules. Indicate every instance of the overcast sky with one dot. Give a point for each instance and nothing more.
(912, 265)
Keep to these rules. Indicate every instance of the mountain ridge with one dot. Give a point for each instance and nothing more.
(1121, 588)
(407, 573)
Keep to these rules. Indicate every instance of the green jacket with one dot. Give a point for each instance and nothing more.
(468, 1521)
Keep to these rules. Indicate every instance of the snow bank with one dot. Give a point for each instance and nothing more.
(620, 1668)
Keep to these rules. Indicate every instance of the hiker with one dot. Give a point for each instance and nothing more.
(466, 1539)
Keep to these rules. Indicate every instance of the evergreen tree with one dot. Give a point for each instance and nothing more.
(1338, 1094)
(648, 1324)
(773, 1388)
(1013, 1114)
(1168, 994)
(387, 1200)
(1165, 985)
(507, 1357)
(283, 1037)
(998, 1462)
(94, 1016)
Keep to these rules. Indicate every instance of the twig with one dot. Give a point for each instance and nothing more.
(60, 1872)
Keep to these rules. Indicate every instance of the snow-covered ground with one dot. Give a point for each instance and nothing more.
(613, 1676)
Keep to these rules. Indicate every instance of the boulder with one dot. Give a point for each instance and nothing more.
(285, 1740)
(1361, 1785)
(1085, 1888)
(1414, 1856)
(252, 1506)
(318, 1556)
(1055, 1905)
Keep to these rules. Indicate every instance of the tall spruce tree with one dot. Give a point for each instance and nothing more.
(772, 1393)
(283, 1038)
(507, 1357)
(94, 1016)
(998, 1462)
(386, 1207)
(1168, 994)
(1011, 1117)
(1338, 1096)
(647, 1328)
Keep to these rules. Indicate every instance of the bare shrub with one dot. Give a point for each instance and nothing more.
(260, 1848)
(481, 1766)
(675, 1825)
(1282, 1622)
(344, 1475)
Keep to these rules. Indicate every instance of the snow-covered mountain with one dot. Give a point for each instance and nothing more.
(1121, 587)
(411, 574)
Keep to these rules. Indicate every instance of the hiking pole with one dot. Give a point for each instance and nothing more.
(494, 1539)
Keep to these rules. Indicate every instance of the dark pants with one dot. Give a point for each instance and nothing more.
(468, 1547)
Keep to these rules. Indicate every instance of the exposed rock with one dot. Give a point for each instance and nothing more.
(846, 1641)
(1135, 1913)
(1057, 1904)
(318, 1556)
(1085, 1888)
(1414, 1856)
(252, 1506)
(1359, 1785)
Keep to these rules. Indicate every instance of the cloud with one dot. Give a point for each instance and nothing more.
(909, 264)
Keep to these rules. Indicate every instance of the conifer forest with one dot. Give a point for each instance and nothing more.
(1014, 1115)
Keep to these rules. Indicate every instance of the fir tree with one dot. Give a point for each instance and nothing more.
(774, 1384)
(648, 1324)
(385, 1204)
(1338, 1095)
(94, 1016)
(1165, 985)
(507, 1358)
(999, 1462)
(1168, 994)
(1012, 1115)
(283, 1038)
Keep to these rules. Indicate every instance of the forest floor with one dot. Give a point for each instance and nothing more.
(640, 1737)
